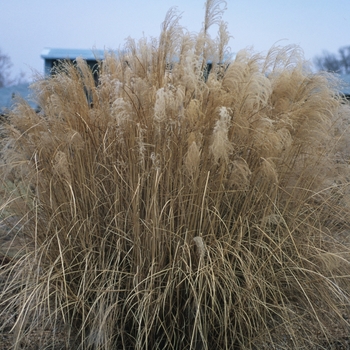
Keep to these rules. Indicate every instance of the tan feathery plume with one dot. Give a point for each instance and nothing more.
(221, 147)
(192, 159)
(61, 166)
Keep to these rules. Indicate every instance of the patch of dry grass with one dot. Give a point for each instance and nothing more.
(168, 208)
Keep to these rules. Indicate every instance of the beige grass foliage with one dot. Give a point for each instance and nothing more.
(165, 208)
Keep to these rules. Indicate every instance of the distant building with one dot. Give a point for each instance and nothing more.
(52, 56)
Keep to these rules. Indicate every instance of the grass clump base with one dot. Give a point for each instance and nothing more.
(169, 207)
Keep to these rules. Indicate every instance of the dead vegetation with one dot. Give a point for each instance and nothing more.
(168, 207)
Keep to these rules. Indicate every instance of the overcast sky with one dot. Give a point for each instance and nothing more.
(28, 26)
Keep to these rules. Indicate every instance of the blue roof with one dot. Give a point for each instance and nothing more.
(72, 54)
(8, 93)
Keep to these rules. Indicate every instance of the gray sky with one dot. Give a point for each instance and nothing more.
(27, 27)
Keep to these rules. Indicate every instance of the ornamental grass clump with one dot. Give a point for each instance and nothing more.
(169, 206)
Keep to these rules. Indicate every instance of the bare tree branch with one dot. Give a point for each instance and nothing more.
(334, 63)
(5, 70)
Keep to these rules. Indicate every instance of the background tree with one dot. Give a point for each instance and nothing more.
(338, 63)
(344, 53)
(5, 72)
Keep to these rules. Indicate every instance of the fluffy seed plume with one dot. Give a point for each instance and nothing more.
(221, 146)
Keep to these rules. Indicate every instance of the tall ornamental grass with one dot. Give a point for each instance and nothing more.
(173, 206)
